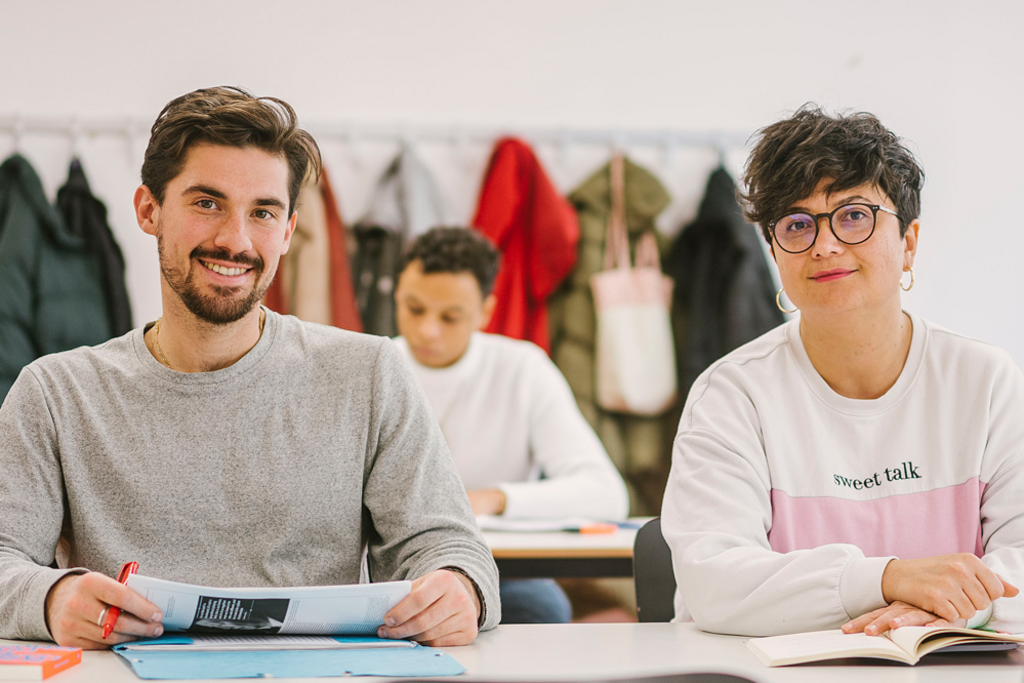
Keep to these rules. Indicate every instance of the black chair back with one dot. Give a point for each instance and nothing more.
(653, 577)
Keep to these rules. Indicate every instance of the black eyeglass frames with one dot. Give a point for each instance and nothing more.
(850, 223)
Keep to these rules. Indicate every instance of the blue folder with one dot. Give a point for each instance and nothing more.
(190, 665)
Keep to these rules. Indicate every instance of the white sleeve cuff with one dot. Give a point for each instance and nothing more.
(980, 618)
(860, 586)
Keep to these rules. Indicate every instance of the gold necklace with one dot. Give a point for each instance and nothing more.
(156, 344)
(160, 351)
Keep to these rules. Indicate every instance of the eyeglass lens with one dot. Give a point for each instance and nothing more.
(852, 224)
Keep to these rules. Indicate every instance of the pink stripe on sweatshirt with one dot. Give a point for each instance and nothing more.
(908, 526)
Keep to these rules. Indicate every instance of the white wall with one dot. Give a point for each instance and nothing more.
(944, 75)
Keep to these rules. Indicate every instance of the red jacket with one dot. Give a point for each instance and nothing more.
(536, 230)
(344, 310)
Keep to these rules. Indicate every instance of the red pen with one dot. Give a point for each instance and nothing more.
(127, 569)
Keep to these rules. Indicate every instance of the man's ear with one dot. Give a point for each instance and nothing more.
(147, 210)
(288, 232)
(488, 311)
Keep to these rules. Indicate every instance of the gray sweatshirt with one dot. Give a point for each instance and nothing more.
(275, 471)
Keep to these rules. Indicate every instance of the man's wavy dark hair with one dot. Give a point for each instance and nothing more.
(456, 250)
(231, 117)
(792, 156)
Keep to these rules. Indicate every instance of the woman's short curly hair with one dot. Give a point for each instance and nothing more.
(791, 157)
(456, 250)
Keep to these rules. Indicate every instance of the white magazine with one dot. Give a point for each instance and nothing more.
(233, 643)
(357, 609)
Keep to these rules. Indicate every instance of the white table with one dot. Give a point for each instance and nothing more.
(576, 652)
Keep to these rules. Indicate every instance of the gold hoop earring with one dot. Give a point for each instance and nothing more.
(778, 302)
(911, 285)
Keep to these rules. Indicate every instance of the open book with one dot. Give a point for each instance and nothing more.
(907, 644)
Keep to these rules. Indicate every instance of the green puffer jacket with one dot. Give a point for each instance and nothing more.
(51, 288)
(640, 447)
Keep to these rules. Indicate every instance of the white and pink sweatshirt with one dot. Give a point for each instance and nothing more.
(786, 500)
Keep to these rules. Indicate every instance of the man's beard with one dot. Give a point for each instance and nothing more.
(230, 304)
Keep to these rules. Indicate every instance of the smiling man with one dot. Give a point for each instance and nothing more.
(224, 444)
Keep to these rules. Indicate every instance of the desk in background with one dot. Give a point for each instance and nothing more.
(562, 554)
(575, 652)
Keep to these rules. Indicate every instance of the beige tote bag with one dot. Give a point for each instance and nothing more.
(635, 354)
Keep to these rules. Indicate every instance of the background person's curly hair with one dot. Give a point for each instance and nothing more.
(456, 250)
(792, 156)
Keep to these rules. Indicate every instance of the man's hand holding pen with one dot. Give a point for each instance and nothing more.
(78, 605)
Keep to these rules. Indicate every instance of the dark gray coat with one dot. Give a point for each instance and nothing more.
(51, 286)
(724, 294)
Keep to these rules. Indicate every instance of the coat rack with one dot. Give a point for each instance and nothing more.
(17, 126)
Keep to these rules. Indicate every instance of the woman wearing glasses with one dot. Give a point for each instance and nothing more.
(856, 467)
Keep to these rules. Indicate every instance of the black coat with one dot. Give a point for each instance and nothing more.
(51, 285)
(86, 216)
(724, 293)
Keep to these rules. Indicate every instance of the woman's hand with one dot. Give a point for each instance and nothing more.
(949, 586)
(894, 616)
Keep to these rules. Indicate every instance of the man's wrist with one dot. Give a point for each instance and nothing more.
(500, 501)
(487, 501)
(482, 610)
(51, 595)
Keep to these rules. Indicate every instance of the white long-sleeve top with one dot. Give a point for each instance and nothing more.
(786, 500)
(509, 415)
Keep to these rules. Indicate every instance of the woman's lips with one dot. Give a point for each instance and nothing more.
(830, 275)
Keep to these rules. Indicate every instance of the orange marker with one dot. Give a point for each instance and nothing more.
(127, 569)
(599, 528)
